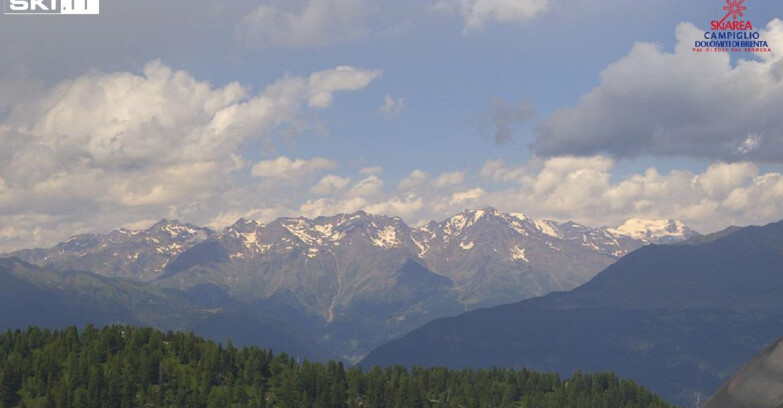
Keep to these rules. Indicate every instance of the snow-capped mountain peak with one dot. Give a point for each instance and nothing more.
(653, 231)
(481, 235)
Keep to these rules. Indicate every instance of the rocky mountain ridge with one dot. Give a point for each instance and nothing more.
(357, 280)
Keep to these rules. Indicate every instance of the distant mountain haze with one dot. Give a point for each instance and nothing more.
(33, 296)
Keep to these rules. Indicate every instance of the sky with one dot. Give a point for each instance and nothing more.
(594, 111)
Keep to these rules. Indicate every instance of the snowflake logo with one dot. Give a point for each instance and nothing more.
(734, 8)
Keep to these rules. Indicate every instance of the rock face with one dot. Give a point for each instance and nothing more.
(757, 385)
(355, 281)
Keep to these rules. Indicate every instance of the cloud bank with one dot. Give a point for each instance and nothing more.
(678, 104)
(106, 149)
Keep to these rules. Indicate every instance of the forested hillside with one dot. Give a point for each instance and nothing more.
(123, 366)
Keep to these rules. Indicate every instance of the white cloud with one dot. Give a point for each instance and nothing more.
(450, 179)
(588, 190)
(468, 195)
(404, 207)
(654, 102)
(582, 189)
(225, 218)
(323, 84)
(110, 149)
(367, 187)
(478, 13)
(391, 106)
(106, 149)
(721, 179)
(413, 180)
(498, 172)
(323, 206)
(318, 23)
(330, 184)
(285, 168)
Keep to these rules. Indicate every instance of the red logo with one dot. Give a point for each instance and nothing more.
(734, 9)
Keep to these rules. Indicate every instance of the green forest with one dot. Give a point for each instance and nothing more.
(122, 366)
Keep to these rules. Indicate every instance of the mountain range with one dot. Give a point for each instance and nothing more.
(678, 318)
(355, 281)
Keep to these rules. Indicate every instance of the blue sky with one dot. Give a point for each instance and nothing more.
(597, 105)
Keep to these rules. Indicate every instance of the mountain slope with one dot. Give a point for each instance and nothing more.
(758, 385)
(34, 296)
(678, 318)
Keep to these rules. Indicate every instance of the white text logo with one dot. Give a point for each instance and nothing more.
(51, 6)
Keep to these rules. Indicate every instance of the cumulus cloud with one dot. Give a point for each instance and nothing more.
(478, 13)
(107, 149)
(367, 187)
(323, 84)
(331, 206)
(391, 106)
(285, 168)
(468, 195)
(584, 189)
(413, 180)
(404, 207)
(679, 103)
(318, 23)
(499, 120)
(330, 184)
(588, 190)
(498, 172)
(450, 179)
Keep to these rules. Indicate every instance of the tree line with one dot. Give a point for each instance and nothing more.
(129, 367)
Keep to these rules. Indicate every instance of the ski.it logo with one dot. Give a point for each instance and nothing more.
(62, 7)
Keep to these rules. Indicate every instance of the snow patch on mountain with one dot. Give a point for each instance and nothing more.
(518, 253)
(518, 227)
(467, 246)
(546, 228)
(520, 216)
(386, 238)
(302, 230)
(328, 232)
(423, 247)
(455, 225)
